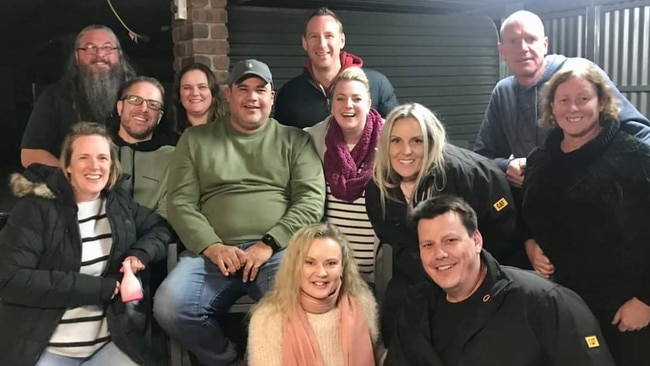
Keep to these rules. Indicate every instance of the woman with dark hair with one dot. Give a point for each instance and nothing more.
(60, 257)
(587, 206)
(196, 99)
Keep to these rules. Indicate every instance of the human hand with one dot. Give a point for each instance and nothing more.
(515, 171)
(256, 255)
(136, 264)
(631, 316)
(228, 258)
(538, 259)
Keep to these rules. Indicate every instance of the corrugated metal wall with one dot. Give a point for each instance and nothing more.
(449, 64)
(616, 37)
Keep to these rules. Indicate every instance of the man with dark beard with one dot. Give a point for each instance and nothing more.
(87, 92)
(144, 154)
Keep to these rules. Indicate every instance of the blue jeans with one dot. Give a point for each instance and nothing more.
(109, 354)
(195, 293)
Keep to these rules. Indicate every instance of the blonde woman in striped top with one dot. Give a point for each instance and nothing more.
(346, 142)
(60, 257)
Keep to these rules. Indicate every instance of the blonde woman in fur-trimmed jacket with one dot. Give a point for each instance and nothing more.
(60, 257)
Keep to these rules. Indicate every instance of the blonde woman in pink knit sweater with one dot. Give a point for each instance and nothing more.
(320, 312)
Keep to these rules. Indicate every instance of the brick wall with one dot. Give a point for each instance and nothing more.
(203, 37)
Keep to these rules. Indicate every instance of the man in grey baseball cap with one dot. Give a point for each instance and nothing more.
(238, 189)
(251, 67)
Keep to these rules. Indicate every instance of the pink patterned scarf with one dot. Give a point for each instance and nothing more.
(347, 172)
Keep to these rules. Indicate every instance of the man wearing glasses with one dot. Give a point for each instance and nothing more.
(87, 92)
(144, 154)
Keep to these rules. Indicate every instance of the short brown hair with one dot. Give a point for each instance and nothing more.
(90, 129)
(142, 79)
(320, 12)
(440, 205)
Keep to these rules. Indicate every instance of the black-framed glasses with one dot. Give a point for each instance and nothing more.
(154, 105)
(91, 49)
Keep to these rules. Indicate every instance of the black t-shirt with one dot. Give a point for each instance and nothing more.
(50, 121)
(449, 323)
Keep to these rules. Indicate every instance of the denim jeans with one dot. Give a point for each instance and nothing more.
(195, 293)
(109, 354)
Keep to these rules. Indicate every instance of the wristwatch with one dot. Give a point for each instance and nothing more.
(270, 241)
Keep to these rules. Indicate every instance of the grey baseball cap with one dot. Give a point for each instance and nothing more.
(250, 67)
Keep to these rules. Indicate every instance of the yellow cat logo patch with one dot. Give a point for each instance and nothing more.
(592, 341)
(500, 204)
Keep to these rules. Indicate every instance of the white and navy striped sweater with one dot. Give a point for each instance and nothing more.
(351, 218)
(84, 329)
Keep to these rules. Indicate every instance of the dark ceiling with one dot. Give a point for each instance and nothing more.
(28, 22)
(39, 33)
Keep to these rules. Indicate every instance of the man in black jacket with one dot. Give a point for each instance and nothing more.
(476, 312)
(303, 101)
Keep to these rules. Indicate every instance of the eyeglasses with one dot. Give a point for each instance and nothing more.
(154, 105)
(93, 50)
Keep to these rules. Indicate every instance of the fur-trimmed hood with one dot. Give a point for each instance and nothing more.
(41, 181)
(47, 182)
(21, 187)
(41, 249)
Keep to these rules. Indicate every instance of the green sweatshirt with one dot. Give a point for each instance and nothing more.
(147, 170)
(229, 187)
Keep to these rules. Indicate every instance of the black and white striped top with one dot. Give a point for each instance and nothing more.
(84, 329)
(352, 219)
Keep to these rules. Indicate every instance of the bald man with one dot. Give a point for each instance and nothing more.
(510, 131)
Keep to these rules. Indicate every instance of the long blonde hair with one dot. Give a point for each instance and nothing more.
(435, 139)
(285, 294)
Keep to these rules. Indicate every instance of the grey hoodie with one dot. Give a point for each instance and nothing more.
(510, 124)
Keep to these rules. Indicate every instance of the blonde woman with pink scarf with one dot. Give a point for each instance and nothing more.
(320, 311)
(346, 142)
